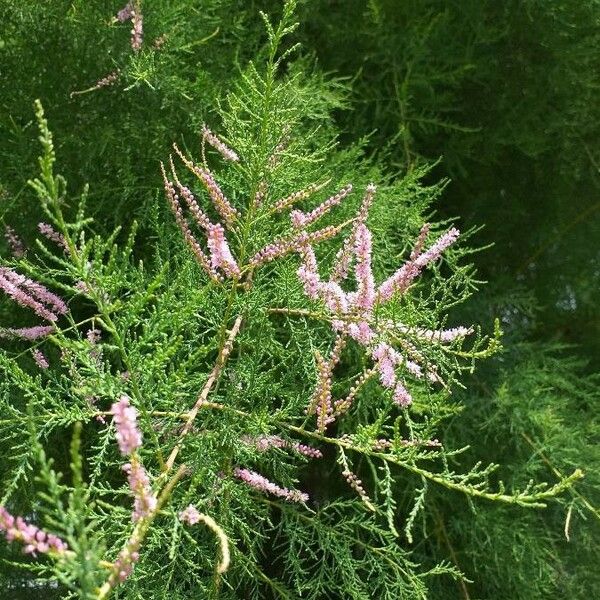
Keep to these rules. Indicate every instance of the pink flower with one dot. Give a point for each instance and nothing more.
(31, 294)
(145, 502)
(258, 482)
(125, 13)
(137, 33)
(28, 333)
(365, 294)
(228, 213)
(40, 359)
(220, 253)
(190, 515)
(401, 395)
(403, 277)
(301, 220)
(128, 435)
(35, 540)
(265, 442)
(15, 243)
(50, 233)
(226, 152)
(353, 313)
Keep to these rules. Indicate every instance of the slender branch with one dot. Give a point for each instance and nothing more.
(575, 493)
(442, 527)
(521, 499)
(212, 378)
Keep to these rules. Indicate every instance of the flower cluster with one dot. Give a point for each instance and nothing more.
(190, 515)
(353, 314)
(123, 566)
(144, 500)
(34, 539)
(40, 360)
(129, 439)
(128, 435)
(258, 482)
(226, 152)
(32, 295)
(265, 442)
(132, 12)
(27, 333)
(218, 246)
(15, 243)
(51, 234)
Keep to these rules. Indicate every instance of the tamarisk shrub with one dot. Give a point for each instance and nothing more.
(242, 425)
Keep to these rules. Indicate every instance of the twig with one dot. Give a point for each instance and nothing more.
(212, 378)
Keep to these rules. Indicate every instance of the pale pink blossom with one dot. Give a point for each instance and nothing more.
(296, 243)
(15, 243)
(39, 358)
(353, 313)
(27, 333)
(51, 234)
(34, 539)
(144, 499)
(365, 294)
(301, 219)
(190, 515)
(403, 277)
(220, 253)
(31, 294)
(125, 13)
(128, 435)
(137, 33)
(228, 213)
(192, 242)
(265, 442)
(258, 482)
(226, 152)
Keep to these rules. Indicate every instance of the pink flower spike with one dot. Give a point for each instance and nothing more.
(28, 333)
(403, 277)
(15, 243)
(443, 243)
(51, 234)
(40, 359)
(145, 502)
(35, 290)
(220, 254)
(258, 482)
(190, 515)
(300, 219)
(365, 295)
(137, 33)
(228, 213)
(125, 13)
(35, 540)
(226, 152)
(345, 255)
(173, 199)
(297, 243)
(265, 442)
(128, 435)
(401, 395)
(386, 359)
(418, 247)
(23, 298)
